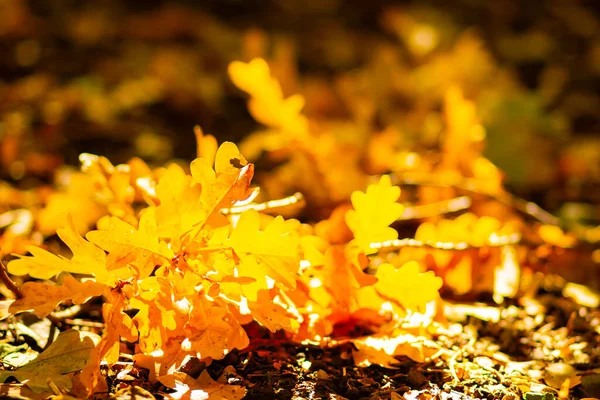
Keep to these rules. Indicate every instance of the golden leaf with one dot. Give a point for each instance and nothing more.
(206, 145)
(203, 388)
(373, 212)
(275, 247)
(407, 285)
(267, 104)
(87, 258)
(125, 244)
(382, 348)
(42, 298)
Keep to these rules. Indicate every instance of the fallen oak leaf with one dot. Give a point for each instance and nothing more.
(407, 285)
(222, 186)
(87, 258)
(273, 316)
(274, 247)
(203, 388)
(189, 203)
(125, 244)
(382, 348)
(43, 297)
(70, 352)
(117, 325)
(374, 211)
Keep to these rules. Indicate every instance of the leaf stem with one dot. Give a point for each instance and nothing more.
(393, 245)
(9, 283)
(434, 209)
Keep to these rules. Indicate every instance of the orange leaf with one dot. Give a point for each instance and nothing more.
(43, 298)
(125, 244)
(203, 388)
(87, 258)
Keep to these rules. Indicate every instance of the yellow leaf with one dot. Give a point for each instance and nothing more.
(87, 258)
(203, 388)
(209, 191)
(42, 298)
(125, 244)
(275, 247)
(382, 348)
(253, 77)
(70, 352)
(117, 324)
(179, 207)
(373, 212)
(212, 331)
(407, 285)
(267, 104)
(75, 201)
(206, 145)
(273, 316)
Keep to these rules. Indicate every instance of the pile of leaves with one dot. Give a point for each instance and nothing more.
(188, 263)
(377, 253)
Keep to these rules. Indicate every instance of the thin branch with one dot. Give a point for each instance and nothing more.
(476, 186)
(494, 241)
(67, 313)
(9, 283)
(269, 207)
(437, 208)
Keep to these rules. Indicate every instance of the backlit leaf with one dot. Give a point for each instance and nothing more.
(374, 211)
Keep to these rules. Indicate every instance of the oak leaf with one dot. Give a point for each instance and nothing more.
(70, 352)
(125, 244)
(272, 315)
(267, 104)
(212, 331)
(274, 247)
(76, 200)
(407, 285)
(203, 388)
(43, 297)
(374, 211)
(87, 258)
(382, 348)
(117, 325)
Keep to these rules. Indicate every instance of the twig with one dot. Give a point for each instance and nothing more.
(67, 313)
(393, 245)
(272, 206)
(476, 186)
(437, 208)
(9, 283)
(83, 322)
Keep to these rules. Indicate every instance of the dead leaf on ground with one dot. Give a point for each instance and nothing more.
(70, 352)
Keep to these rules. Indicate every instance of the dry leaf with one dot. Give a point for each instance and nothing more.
(70, 352)
(203, 388)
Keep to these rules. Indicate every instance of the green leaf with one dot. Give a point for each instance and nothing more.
(538, 396)
(70, 352)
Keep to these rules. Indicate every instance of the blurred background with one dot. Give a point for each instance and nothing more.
(125, 79)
